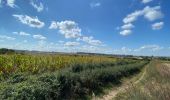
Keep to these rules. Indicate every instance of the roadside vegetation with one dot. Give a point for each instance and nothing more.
(154, 86)
(60, 77)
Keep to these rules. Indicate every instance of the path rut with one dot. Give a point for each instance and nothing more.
(120, 89)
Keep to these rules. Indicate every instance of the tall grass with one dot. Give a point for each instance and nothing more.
(154, 86)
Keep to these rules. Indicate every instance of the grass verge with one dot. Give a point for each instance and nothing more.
(154, 85)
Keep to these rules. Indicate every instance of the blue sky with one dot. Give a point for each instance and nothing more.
(138, 27)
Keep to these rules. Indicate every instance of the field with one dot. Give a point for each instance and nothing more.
(44, 76)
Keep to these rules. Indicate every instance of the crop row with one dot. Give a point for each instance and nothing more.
(42, 63)
(86, 76)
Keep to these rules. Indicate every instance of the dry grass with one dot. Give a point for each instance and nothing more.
(154, 86)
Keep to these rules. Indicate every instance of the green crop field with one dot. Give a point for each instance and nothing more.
(45, 76)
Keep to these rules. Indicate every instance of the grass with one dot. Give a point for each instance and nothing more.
(154, 86)
(41, 77)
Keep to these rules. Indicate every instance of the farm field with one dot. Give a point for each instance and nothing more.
(62, 77)
(84, 50)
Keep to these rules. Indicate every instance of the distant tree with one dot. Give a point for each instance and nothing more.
(6, 51)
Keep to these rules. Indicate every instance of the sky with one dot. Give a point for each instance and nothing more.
(133, 27)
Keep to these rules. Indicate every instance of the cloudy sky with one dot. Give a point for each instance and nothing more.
(139, 27)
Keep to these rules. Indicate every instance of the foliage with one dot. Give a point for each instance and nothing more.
(60, 77)
(6, 51)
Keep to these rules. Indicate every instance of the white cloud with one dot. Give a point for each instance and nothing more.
(125, 32)
(39, 7)
(22, 33)
(11, 3)
(146, 1)
(157, 26)
(30, 21)
(90, 40)
(43, 45)
(125, 50)
(127, 26)
(54, 25)
(153, 13)
(39, 37)
(132, 17)
(96, 4)
(95, 42)
(93, 49)
(70, 29)
(71, 44)
(150, 48)
(67, 28)
(6, 37)
(149, 13)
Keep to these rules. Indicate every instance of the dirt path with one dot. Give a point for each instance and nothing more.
(143, 74)
(120, 89)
